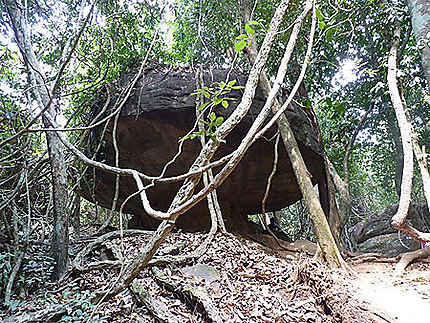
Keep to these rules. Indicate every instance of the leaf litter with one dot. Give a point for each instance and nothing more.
(254, 285)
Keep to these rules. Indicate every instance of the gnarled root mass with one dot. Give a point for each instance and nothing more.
(409, 257)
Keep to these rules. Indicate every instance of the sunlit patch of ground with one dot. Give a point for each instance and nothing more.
(403, 299)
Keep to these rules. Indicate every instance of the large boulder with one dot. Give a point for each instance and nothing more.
(389, 245)
(158, 112)
(376, 234)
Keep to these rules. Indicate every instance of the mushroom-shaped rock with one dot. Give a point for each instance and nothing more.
(158, 112)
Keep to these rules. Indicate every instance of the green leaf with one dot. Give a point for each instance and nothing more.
(329, 35)
(219, 121)
(231, 83)
(308, 103)
(340, 108)
(225, 104)
(207, 95)
(249, 30)
(204, 105)
(321, 24)
(319, 14)
(240, 45)
(213, 136)
(217, 101)
(212, 116)
(222, 85)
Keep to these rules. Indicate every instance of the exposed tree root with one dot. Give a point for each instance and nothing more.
(163, 260)
(402, 260)
(196, 298)
(297, 246)
(382, 316)
(160, 312)
(409, 257)
(167, 256)
(77, 262)
(372, 257)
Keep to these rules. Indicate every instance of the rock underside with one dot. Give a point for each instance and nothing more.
(158, 112)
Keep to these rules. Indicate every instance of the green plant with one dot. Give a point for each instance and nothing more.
(215, 96)
(243, 40)
(79, 306)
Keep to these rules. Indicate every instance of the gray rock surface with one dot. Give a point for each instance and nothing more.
(390, 245)
(202, 271)
(375, 234)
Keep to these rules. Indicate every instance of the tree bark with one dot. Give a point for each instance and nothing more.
(336, 219)
(421, 156)
(398, 153)
(60, 238)
(329, 251)
(405, 131)
(47, 102)
(76, 214)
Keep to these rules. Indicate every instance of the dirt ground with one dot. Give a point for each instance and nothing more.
(403, 299)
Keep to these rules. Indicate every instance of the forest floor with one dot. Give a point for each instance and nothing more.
(236, 280)
(398, 298)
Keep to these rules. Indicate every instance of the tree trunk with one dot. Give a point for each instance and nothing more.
(399, 218)
(76, 214)
(60, 237)
(405, 131)
(420, 16)
(421, 156)
(398, 157)
(60, 240)
(336, 219)
(329, 250)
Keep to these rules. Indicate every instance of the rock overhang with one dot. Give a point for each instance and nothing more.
(159, 111)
